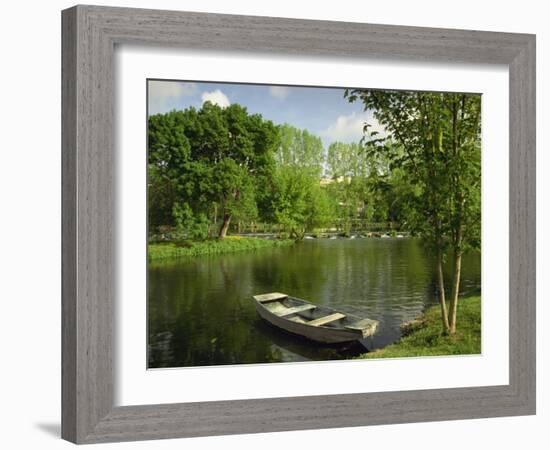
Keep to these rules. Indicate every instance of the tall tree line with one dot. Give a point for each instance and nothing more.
(214, 166)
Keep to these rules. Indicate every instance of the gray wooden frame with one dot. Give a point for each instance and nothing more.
(89, 36)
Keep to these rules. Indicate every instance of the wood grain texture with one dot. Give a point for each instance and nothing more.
(88, 209)
(522, 224)
(89, 36)
(68, 225)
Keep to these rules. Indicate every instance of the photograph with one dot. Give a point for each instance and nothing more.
(298, 223)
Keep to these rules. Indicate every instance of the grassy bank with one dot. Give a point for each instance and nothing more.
(230, 244)
(424, 338)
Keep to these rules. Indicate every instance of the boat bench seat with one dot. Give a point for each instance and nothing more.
(263, 298)
(326, 319)
(296, 309)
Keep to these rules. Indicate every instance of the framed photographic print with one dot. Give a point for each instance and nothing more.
(267, 222)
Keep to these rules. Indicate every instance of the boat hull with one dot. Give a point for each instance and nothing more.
(319, 334)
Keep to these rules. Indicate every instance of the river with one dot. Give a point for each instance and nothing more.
(200, 310)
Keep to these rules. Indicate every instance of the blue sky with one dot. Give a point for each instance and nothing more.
(322, 111)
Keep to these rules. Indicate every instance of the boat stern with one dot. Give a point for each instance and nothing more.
(367, 327)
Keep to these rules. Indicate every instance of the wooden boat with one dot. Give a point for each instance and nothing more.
(318, 323)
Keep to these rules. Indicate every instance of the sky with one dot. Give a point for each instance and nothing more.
(322, 111)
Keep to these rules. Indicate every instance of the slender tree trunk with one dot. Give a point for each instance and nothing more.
(441, 286)
(225, 225)
(454, 295)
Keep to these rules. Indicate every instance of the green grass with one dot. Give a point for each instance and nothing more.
(424, 338)
(166, 250)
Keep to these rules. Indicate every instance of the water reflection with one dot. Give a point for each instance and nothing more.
(200, 310)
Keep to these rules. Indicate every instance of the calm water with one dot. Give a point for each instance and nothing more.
(201, 311)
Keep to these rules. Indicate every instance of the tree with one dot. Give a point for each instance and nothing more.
(352, 173)
(320, 209)
(290, 199)
(347, 161)
(299, 148)
(392, 196)
(435, 139)
(194, 226)
(234, 192)
(296, 200)
(210, 160)
(169, 149)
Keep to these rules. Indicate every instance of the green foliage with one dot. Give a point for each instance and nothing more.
(192, 226)
(347, 161)
(299, 148)
(424, 337)
(289, 200)
(434, 139)
(162, 251)
(233, 189)
(320, 207)
(393, 197)
(365, 187)
(297, 201)
(211, 160)
(169, 149)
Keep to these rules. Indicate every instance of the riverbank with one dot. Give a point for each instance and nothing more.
(230, 244)
(423, 337)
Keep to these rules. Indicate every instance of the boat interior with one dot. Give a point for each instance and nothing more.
(300, 311)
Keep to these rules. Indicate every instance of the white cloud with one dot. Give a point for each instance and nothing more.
(280, 92)
(164, 95)
(350, 128)
(216, 97)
